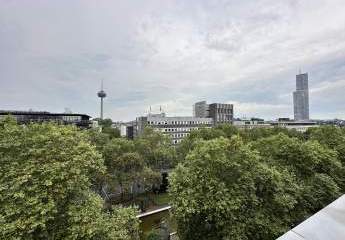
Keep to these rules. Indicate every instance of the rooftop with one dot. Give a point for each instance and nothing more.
(328, 223)
(14, 112)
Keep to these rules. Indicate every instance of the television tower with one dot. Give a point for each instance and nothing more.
(101, 94)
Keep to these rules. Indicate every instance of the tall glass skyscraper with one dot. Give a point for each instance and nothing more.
(301, 97)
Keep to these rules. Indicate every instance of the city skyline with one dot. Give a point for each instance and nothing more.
(171, 54)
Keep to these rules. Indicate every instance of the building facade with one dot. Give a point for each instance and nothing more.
(300, 126)
(175, 127)
(24, 117)
(122, 127)
(301, 98)
(201, 109)
(219, 112)
(251, 123)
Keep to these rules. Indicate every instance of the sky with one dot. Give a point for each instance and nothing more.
(171, 53)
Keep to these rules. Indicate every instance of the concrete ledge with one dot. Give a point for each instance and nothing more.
(153, 212)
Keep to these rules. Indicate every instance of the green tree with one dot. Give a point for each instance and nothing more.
(106, 128)
(189, 142)
(224, 190)
(46, 175)
(156, 149)
(115, 148)
(126, 167)
(228, 131)
(98, 139)
(153, 235)
(317, 169)
(330, 136)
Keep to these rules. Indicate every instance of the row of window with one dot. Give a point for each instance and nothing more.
(222, 117)
(224, 110)
(178, 129)
(179, 135)
(71, 118)
(177, 122)
(176, 141)
(45, 118)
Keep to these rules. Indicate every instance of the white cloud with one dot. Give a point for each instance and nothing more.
(171, 53)
(327, 87)
(270, 111)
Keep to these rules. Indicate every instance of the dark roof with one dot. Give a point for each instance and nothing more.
(13, 112)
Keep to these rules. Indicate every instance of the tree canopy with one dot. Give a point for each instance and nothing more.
(106, 128)
(125, 166)
(156, 149)
(46, 176)
(253, 184)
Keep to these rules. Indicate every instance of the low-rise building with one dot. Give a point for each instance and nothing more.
(24, 117)
(251, 123)
(122, 127)
(300, 126)
(334, 122)
(175, 127)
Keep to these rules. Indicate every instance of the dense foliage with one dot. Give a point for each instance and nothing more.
(132, 163)
(254, 184)
(227, 184)
(46, 175)
(106, 126)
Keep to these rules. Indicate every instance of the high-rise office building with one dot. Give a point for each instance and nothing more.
(219, 112)
(301, 98)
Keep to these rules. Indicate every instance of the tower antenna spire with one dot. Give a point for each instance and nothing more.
(101, 94)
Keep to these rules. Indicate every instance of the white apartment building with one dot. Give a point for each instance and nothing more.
(175, 127)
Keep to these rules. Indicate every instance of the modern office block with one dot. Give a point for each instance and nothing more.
(219, 112)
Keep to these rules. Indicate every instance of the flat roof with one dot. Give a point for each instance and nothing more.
(182, 118)
(328, 223)
(13, 112)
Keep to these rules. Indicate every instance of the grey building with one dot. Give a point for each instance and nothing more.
(251, 123)
(219, 112)
(25, 117)
(175, 127)
(298, 125)
(301, 98)
(201, 109)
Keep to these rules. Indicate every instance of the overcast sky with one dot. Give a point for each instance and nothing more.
(53, 55)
